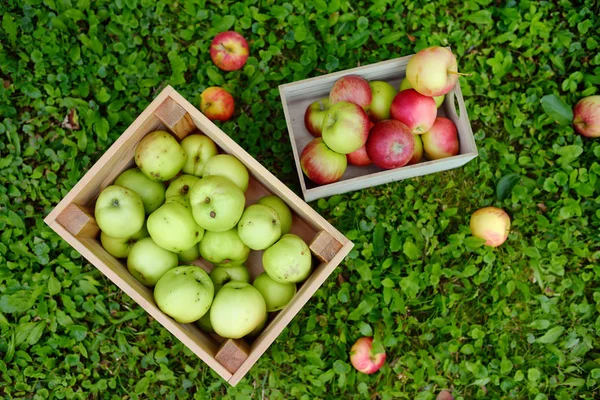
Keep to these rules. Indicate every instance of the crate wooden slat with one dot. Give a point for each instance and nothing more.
(297, 96)
(73, 220)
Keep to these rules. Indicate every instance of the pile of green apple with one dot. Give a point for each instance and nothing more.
(183, 201)
(365, 122)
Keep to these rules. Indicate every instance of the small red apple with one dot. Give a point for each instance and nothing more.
(217, 103)
(352, 88)
(418, 153)
(390, 144)
(363, 359)
(416, 111)
(314, 116)
(229, 51)
(359, 157)
(321, 164)
(586, 116)
(441, 140)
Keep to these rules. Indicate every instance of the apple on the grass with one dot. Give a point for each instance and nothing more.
(198, 149)
(228, 166)
(415, 110)
(237, 310)
(432, 71)
(491, 224)
(181, 186)
(151, 192)
(282, 209)
(277, 295)
(586, 116)
(229, 51)
(120, 248)
(405, 84)
(216, 103)
(184, 293)
(217, 203)
(362, 357)
(441, 140)
(119, 212)
(314, 116)
(418, 153)
(224, 248)
(351, 88)
(148, 262)
(345, 127)
(173, 227)
(259, 226)
(321, 164)
(159, 156)
(222, 275)
(289, 260)
(383, 95)
(391, 144)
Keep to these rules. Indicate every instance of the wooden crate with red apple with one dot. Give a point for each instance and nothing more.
(115, 204)
(378, 123)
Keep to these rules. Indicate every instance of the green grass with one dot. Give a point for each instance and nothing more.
(516, 322)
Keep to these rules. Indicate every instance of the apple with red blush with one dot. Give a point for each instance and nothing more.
(314, 116)
(321, 164)
(415, 110)
(363, 358)
(351, 88)
(229, 51)
(217, 103)
(391, 144)
(441, 140)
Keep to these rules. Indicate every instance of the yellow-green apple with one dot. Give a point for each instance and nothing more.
(258, 329)
(314, 116)
(190, 254)
(415, 110)
(277, 295)
(224, 248)
(432, 71)
(148, 262)
(159, 156)
(217, 203)
(229, 167)
(441, 140)
(181, 186)
(391, 144)
(235, 273)
(383, 95)
(405, 84)
(204, 323)
(184, 293)
(491, 224)
(289, 260)
(283, 211)
(418, 153)
(259, 226)
(586, 116)
(172, 225)
(229, 51)
(119, 212)
(321, 164)
(353, 89)
(238, 309)
(345, 127)
(362, 357)
(217, 103)
(151, 192)
(198, 149)
(120, 248)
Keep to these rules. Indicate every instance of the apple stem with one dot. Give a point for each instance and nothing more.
(458, 73)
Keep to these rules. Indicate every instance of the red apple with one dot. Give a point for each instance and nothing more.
(441, 140)
(491, 224)
(362, 357)
(432, 71)
(586, 116)
(352, 88)
(216, 103)
(321, 164)
(314, 116)
(229, 51)
(416, 111)
(418, 153)
(345, 127)
(391, 144)
(405, 84)
(359, 157)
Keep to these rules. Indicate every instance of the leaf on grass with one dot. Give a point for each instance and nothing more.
(363, 308)
(378, 240)
(506, 184)
(410, 250)
(552, 335)
(556, 108)
(483, 17)
(568, 154)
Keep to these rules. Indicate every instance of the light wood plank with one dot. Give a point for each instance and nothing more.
(233, 353)
(324, 246)
(78, 220)
(175, 118)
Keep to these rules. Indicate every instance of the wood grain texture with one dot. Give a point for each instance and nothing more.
(324, 246)
(78, 220)
(175, 118)
(233, 353)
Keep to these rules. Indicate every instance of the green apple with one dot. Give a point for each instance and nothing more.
(224, 248)
(237, 310)
(198, 149)
(181, 186)
(284, 212)
(204, 323)
(119, 212)
(217, 203)
(120, 248)
(189, 255)
(277, 295)
(258, 329)
(172, 226)
(383, 95)
(147, 261)
(229, 167)
(289, 260)
(159, 156)
(221, 275)
(405, 84)
(259, 226)
(184, 293)
(151, 192)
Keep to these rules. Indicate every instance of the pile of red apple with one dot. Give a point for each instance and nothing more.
(369, 122)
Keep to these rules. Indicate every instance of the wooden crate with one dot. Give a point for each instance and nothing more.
(73, 220)
(297, 96)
